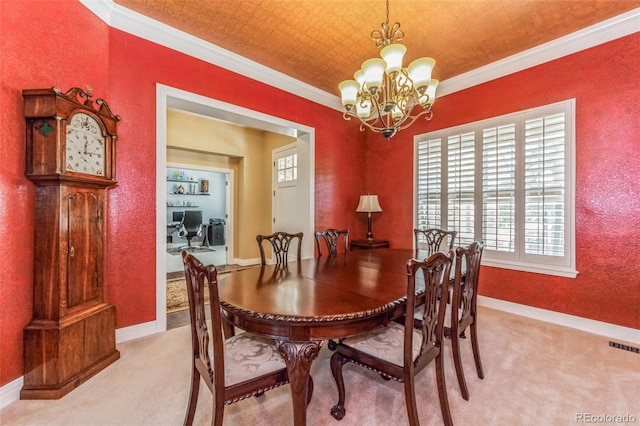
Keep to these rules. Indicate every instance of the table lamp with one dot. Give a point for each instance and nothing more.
(369, 204)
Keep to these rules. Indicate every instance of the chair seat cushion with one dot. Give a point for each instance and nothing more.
(248, 355)
(385, 343)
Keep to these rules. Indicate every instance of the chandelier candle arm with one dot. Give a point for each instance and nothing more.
(387, 97)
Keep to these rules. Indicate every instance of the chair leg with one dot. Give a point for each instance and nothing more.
(457, 362)
(476, 350)
(309, 390)
(337, 361)
(218, 412)
(193, 396)
(442, 392)
(410, 400)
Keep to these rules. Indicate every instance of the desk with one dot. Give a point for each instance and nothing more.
(328, 297)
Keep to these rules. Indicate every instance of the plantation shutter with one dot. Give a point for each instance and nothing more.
(499, 187)
(460, 190)
(429, 181)
(545, 185)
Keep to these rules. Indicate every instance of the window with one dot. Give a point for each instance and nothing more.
(507, 181)
(287, 168)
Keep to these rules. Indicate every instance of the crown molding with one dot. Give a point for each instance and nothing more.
(603, 32)
(149, 29)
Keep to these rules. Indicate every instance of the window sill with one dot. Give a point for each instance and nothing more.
(560, 271)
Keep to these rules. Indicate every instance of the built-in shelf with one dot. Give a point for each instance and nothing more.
(177, 193)
(182, 207)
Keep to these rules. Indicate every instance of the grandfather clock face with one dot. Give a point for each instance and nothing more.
(85, 145)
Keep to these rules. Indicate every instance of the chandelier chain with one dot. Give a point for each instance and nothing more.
(388, 35)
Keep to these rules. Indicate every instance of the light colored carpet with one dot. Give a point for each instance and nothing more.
(536, 373)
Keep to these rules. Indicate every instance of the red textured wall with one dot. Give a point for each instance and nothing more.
(124, 70)
(604, 82)
(57, 52)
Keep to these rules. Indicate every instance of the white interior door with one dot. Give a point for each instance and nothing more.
(285, 191)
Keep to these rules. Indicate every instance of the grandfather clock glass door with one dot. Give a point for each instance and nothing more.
(84, 261)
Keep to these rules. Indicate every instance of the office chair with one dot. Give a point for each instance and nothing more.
(191, 226)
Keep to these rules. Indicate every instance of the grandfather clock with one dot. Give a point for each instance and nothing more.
(70, 151)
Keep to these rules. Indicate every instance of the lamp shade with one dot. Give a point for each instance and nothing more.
(373, 72)
(392, 55)
(368, 203)
(420, 72)
(431, 90)
(349, 91)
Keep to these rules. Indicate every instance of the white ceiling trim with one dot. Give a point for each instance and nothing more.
(603, 32)
(149, 29)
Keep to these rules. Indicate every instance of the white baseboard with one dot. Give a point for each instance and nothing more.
(613, 331)
(135, 331)
(247, 262)
(11, 392)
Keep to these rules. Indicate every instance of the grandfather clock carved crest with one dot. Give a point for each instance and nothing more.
(70, 153)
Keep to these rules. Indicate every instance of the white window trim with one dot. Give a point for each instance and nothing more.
(567, 268)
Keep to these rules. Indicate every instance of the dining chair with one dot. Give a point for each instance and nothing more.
(280, 242)
(434, 240)
(465, 296)
(245, 365)
(401, 352)
(331, 237)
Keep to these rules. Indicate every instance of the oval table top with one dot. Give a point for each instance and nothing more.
(319, 298)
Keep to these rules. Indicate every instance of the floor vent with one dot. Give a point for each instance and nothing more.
(623, 347)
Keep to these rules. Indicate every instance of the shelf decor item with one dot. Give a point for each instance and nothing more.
(204, 186)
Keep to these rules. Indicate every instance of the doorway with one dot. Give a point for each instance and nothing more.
(187, 191)
(169, 97)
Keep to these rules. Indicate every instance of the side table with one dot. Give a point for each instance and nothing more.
(368, 244)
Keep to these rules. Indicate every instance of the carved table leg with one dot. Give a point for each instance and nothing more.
(299, 356)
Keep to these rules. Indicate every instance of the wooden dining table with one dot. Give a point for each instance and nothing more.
(305, 303)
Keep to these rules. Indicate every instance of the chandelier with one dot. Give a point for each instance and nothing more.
(384, 96)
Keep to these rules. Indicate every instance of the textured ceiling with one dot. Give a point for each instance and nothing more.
(324, 42)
